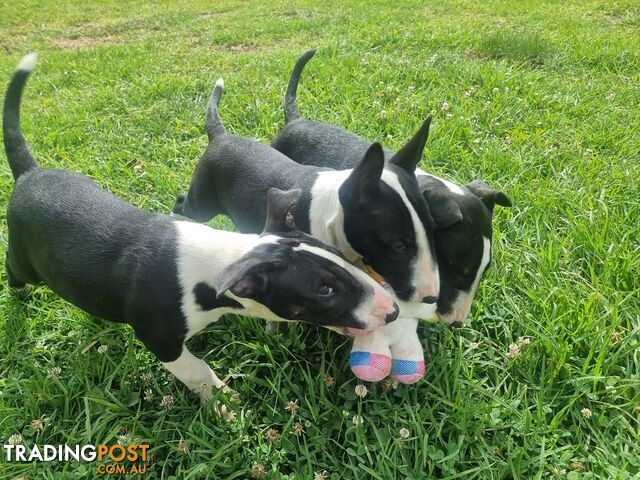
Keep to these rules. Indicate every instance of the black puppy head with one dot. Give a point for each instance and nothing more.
(462, 241)
(297, 278)
(387, 222)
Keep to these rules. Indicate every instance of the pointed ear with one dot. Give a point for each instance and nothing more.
(444, 209)
(364, 179)
(242, 278)
(488, 195)
(409, 156)
(279, 206)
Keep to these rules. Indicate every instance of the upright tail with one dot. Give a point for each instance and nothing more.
(20, 158)
(291, 112)
(213, 123)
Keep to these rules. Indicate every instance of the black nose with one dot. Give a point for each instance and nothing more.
(430, 300)
(393, 315)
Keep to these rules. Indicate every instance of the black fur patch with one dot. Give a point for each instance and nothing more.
(459, 248)
(206, 298)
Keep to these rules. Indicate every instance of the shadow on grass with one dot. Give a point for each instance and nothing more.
(518, 46)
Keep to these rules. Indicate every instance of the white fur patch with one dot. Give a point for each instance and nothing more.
(194, 373)
(202, 254)
(450, 185)
(220, 82)
(422, 311)
(425, 277)
(326, 216)
(28, 62)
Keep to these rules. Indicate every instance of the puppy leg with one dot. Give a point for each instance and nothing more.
(178, 206)
(200, 202)
(12, 280)
(194, 373)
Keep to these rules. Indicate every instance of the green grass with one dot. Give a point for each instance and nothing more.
(543, 103)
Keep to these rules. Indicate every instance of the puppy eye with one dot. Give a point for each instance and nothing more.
(399, 245)
(325, 290)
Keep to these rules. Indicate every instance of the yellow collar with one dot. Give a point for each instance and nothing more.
(373, 274)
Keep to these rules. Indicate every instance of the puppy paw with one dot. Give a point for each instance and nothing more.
(407, 371)
(179, 205)
(272, 327)
(369, 366)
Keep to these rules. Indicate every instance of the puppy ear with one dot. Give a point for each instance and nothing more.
(243, 278)
(280, 204)
(364, 179)
(488, 195)
(444, 209)
(409, 156)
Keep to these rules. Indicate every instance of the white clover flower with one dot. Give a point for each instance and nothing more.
(166, 402)
(514, 351)
(298, 429)
(361, 390)
(292, 406)
(182, 447)
(404, 433)
(39, 423)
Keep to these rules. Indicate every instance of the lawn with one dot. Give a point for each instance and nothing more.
(540, 99)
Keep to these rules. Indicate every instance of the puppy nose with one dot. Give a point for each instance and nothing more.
(393, 315)
(430, 299)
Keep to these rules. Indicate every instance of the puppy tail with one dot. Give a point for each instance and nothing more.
(291, 111)
(20, 158)
(214, 125)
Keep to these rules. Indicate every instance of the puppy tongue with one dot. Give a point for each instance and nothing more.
(356, 331)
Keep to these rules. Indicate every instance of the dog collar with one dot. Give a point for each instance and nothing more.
(368, 269)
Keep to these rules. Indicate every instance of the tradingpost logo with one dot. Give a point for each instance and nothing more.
(113, 459)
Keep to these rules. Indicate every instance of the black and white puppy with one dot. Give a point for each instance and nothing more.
(462, 214)
(165, 277)
(373, 212)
